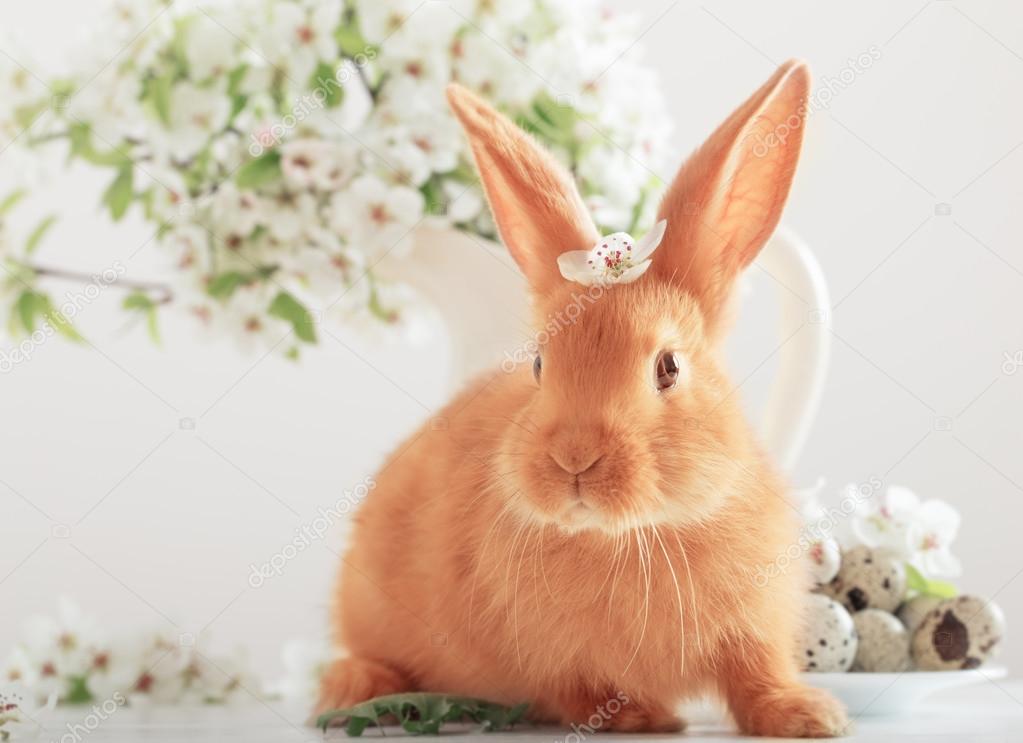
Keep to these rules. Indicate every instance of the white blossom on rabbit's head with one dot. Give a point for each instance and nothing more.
(615, 259)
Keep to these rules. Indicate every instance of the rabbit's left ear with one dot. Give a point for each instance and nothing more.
(535, 202)
(727, 199)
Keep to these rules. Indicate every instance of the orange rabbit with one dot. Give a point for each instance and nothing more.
(585, 528)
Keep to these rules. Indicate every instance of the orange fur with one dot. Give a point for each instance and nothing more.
(588, 537)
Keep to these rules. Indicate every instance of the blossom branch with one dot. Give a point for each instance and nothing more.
(164, 292)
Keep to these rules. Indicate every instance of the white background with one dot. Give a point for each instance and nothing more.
(105, 498)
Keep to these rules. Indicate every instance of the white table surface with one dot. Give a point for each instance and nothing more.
(989, 713)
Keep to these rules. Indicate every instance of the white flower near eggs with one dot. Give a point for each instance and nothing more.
(920, 533)
(373, 215)
(884, 520)
(932, 533)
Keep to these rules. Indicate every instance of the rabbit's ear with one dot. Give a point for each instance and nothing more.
(727, 198)
(535, 202)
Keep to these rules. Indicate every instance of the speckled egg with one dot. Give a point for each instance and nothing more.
(884, 642)
(912, 612)
(823, 558)
(868, 579)
(829, 636)
(962, 632)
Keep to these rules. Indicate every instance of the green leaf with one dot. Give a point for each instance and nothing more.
(356, 725)
(433, 196)
(424, 714)
(11, 200)
(25, 116)
(26, 308)
(80, 137)
(159, 92)
(325, 79)
(38, 233)
(119, 194)
(915, 581)
(224, 285)
(289, 309)
(142, 302)
(235, 78)
(60, 323)
(78, 690)
(260, 171)
(350, 40)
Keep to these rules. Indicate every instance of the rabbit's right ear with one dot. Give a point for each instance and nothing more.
(536, 205)
(726, 200)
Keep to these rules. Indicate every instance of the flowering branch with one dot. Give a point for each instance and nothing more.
(275, 184)
(164, 293)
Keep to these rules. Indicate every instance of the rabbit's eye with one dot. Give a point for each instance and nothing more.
(537, 364)
(666, 371)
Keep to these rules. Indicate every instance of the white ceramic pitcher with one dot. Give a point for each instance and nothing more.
(482, 297)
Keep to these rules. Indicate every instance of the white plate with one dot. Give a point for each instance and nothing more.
(895, 693)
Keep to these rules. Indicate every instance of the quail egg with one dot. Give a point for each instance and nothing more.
(868, 579)
(829, 636)
(884, 642)
(961, 632)
(914, 611)
(823, 558)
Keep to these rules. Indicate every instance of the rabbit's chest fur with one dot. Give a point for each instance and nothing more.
(511, 607)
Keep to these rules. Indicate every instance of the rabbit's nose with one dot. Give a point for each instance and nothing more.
(576, 462)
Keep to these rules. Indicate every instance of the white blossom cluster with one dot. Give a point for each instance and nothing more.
(67, 658)
(283, 147)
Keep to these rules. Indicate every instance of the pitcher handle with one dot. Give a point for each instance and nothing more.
(795, 394)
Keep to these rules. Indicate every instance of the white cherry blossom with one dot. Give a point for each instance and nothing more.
(614, 259)
(196, 114)
(372, 214)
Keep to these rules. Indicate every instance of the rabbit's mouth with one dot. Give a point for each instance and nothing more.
(578, 515)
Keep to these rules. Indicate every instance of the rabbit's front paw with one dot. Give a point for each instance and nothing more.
(795, 712)
(641, 720)
(623, 715)
(349, 681)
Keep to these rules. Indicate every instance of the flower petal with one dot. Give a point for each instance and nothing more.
(574, 267)
(941, 518)
(650, 241)
(633, 273)
(900, 500)
(941, 563)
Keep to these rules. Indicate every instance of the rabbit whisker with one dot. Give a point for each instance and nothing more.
(678, 596)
